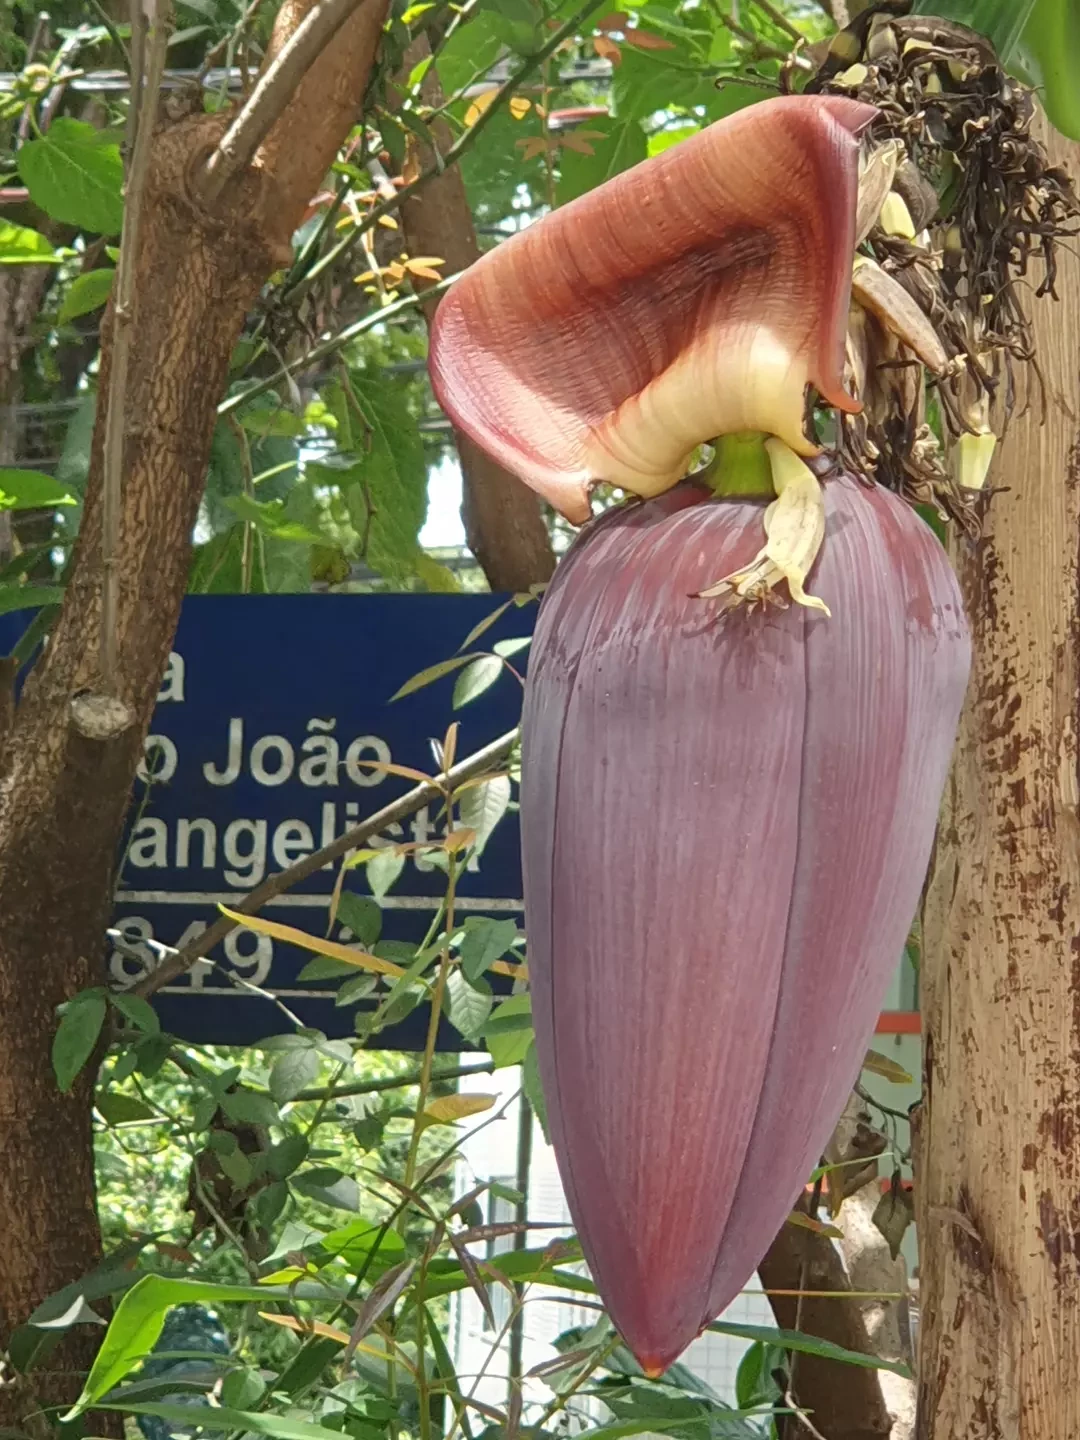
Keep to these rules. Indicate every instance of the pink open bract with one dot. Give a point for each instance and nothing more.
(726, 823)
(697, 294)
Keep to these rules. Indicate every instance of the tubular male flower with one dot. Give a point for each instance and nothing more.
(726, 824)
(697, 294)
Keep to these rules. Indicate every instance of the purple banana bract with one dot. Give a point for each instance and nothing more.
(727, 819)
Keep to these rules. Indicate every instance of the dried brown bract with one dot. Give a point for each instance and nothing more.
(969, 228)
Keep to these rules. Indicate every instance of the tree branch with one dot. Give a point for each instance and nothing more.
(268, 101)
(141, 135)
(467, 769)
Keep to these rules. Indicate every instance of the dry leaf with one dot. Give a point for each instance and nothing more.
(888, 1069)
(617, 20)
(646, 40)
(607, 49)
(448, 1108)
(533, 146)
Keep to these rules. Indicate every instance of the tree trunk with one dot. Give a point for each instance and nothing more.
(503, 522)
(998, 1183)
(64, 781)
(844, 1402)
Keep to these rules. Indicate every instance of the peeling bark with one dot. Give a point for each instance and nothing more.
(63, 794)
(503, 522)
(998, 1184)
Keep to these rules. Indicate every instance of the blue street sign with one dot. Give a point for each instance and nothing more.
(268, 708)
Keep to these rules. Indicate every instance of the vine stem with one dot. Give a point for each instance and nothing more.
(437, 994)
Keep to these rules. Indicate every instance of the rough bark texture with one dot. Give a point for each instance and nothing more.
(503, 522)
(999, 1175)
(62, 795)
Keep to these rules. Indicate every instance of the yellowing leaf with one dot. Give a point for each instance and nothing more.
(308, 1327)
(888, 1069)
(317, 1327)
(388, 221)
(292, 936)
(478, 106)
(448, 1108)
(425, 265)
(520, 107)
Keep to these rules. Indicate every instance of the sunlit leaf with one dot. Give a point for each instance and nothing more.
(448, 1108)
(345, 953)
(74, 173)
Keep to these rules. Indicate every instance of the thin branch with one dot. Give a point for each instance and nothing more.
(407, 804)
(332, 344)
(395, 1082)
(144, 101)
(272, 94)
(779, 19)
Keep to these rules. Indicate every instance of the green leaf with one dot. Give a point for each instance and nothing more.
(75, 174)
(482, 806)
(523, 1266)
(356, 989)
(477, 677)
(87, 292)
(329, 1186)
(19, 245)
(140, 1315)
(664, 1425)
(139, 1011)
(616, 145)
(1048, 55)
(284, 1157)
(383, 870)
(362, 915)
(485, 941)
(809, 1345)
(272, 420)
(31, 490)
(325, 967)
(386, 492)
(1001, 21)
(534, 1091)
(77, 1034)
(242, 1388)
(220, 1417)
(116, 1108)
(245, 1107)
(29, 597)
(506, 648)
(484, 624)
(292, 1072)
(508, 1042)
(467, 1006)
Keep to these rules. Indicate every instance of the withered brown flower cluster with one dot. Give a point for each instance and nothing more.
(972, 217)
